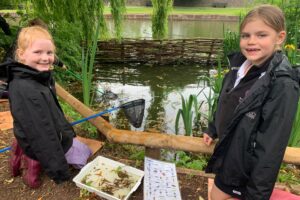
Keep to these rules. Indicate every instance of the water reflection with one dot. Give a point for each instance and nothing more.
(177, 29)
(160, 86)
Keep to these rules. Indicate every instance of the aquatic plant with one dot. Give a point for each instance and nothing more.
(186, 113)
(294, 140)
(231, 43)
(87, 65)
(198, 115)
(214, 82)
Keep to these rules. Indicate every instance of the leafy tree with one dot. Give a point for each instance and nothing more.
(76, 26)
(5, 4)
(117, 10)
(161, 10)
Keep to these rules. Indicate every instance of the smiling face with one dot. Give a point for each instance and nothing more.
(39, 55)
(259, 41)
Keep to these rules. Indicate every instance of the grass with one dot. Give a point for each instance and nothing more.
(8, 11)
(231, 11)
(187, 10)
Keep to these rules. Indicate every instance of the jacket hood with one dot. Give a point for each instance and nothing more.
(236, 59)
(278, 65)
(16, 69)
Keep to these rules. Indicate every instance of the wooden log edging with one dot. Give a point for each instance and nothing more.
(151, 139)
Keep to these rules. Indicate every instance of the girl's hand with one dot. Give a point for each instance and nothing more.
(207, 139)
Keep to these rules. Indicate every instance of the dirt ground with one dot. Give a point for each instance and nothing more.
(191, 187)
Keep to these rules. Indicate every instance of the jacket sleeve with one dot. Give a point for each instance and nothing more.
(272, 137)
(212, 131)
(33, 115)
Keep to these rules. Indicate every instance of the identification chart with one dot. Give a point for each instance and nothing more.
(160, 180)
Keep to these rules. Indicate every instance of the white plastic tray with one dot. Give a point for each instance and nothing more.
(113, 164)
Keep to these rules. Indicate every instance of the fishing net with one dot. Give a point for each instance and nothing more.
(134, 112)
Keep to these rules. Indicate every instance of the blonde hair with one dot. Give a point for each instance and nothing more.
(271, 15)
(28, 35)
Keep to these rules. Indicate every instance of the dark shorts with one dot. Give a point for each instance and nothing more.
(233, 191)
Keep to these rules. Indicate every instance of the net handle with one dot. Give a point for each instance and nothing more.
(125, 105)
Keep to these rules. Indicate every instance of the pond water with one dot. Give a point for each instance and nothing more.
(160, 86)
(177, 29)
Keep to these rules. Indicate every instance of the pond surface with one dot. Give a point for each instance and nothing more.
(160, 86)
(141, 28)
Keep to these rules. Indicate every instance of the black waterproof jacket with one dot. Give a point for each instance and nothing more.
(40, 126)
(251, 147)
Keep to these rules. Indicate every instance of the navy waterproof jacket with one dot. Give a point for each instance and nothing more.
(40, 126)
(252, 145)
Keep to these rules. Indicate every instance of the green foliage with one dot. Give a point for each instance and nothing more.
(161, 9)
(87, 65)
(231, 43)
(6, 4)
(187, 114)
(215, 85)
(294, 140)
(291, 10)
(85, 126)
(288, 174)
(138, 155)
(6, 41)
(117, 10)
(73, 29)
(58, 10)
(67, 40)
(293, 54)
(190, 161)
(198, 114)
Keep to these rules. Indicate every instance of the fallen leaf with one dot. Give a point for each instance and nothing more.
(9, 181)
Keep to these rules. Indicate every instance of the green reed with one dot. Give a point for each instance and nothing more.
(186, 112)
(87, 65)
(215, 85)
(294, 140)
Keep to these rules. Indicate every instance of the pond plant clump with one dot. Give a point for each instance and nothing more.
(113, 181)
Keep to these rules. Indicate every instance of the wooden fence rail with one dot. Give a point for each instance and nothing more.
(198, 50)
(151, 139)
